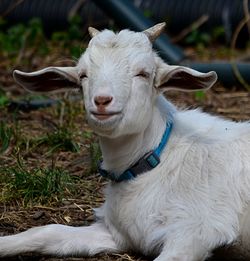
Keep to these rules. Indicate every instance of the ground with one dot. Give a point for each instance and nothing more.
(76, 208)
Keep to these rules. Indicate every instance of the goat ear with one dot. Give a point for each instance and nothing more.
(48, 79)
(182, 78)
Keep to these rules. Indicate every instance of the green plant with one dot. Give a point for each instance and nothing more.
(60, 139)
(2, 22)
(197, 37)
(21, 36)
(71, 38)
(75, 28)
(20, 41)
(218, 33)
(4, 100)
(6, 134)
(148, 13)
(34, 185)
(11, 41)
(95, 154)
(199, 95)
(88, 134)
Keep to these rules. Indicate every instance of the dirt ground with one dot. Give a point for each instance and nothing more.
(233, 103)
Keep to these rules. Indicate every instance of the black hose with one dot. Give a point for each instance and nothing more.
(27, 106)
(54, 14)
(180, 13)
(225, 71)
(177, 13)
(128, 16)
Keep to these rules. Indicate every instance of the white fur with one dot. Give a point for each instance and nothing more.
(197, 198)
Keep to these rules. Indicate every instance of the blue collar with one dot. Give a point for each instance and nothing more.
(147, 162)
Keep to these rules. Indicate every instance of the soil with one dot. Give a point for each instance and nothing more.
(233, 103)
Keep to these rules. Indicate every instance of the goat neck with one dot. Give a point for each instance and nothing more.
(122, 152)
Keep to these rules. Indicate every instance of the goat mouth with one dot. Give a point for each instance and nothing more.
(104, 116)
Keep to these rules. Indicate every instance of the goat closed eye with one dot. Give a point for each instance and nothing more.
(142, 74)
(83, 76)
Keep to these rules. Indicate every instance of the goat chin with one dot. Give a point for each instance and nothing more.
(104, 126)
(195, 200)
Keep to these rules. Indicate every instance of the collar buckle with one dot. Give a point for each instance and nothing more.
(152, 159)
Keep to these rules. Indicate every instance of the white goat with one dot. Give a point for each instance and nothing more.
(194, 200)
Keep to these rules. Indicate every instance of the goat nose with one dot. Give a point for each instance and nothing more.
(103, 100)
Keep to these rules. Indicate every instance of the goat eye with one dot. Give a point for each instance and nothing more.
(83, 76)
(142, 74)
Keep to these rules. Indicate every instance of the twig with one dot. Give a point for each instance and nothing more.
(235, 95)
(124, 257)
(237, 31)
(246, 13)
(46, 208)
(73, 11)
(11, 8)
(195, 25)
(78, 206)
(22, 49)
(62, 110)
(245, 57)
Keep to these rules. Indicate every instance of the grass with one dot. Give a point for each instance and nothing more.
(6, 134)
(36, 185)
(95, 153)
(26, 174)
(4, 100)
(60, 139)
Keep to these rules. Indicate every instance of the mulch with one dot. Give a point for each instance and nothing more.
(232, 103)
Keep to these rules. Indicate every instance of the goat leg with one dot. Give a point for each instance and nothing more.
(60, 240)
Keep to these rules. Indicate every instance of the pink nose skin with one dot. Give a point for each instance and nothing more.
(102, 101)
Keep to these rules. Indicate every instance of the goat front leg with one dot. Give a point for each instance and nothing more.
(60, 240)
